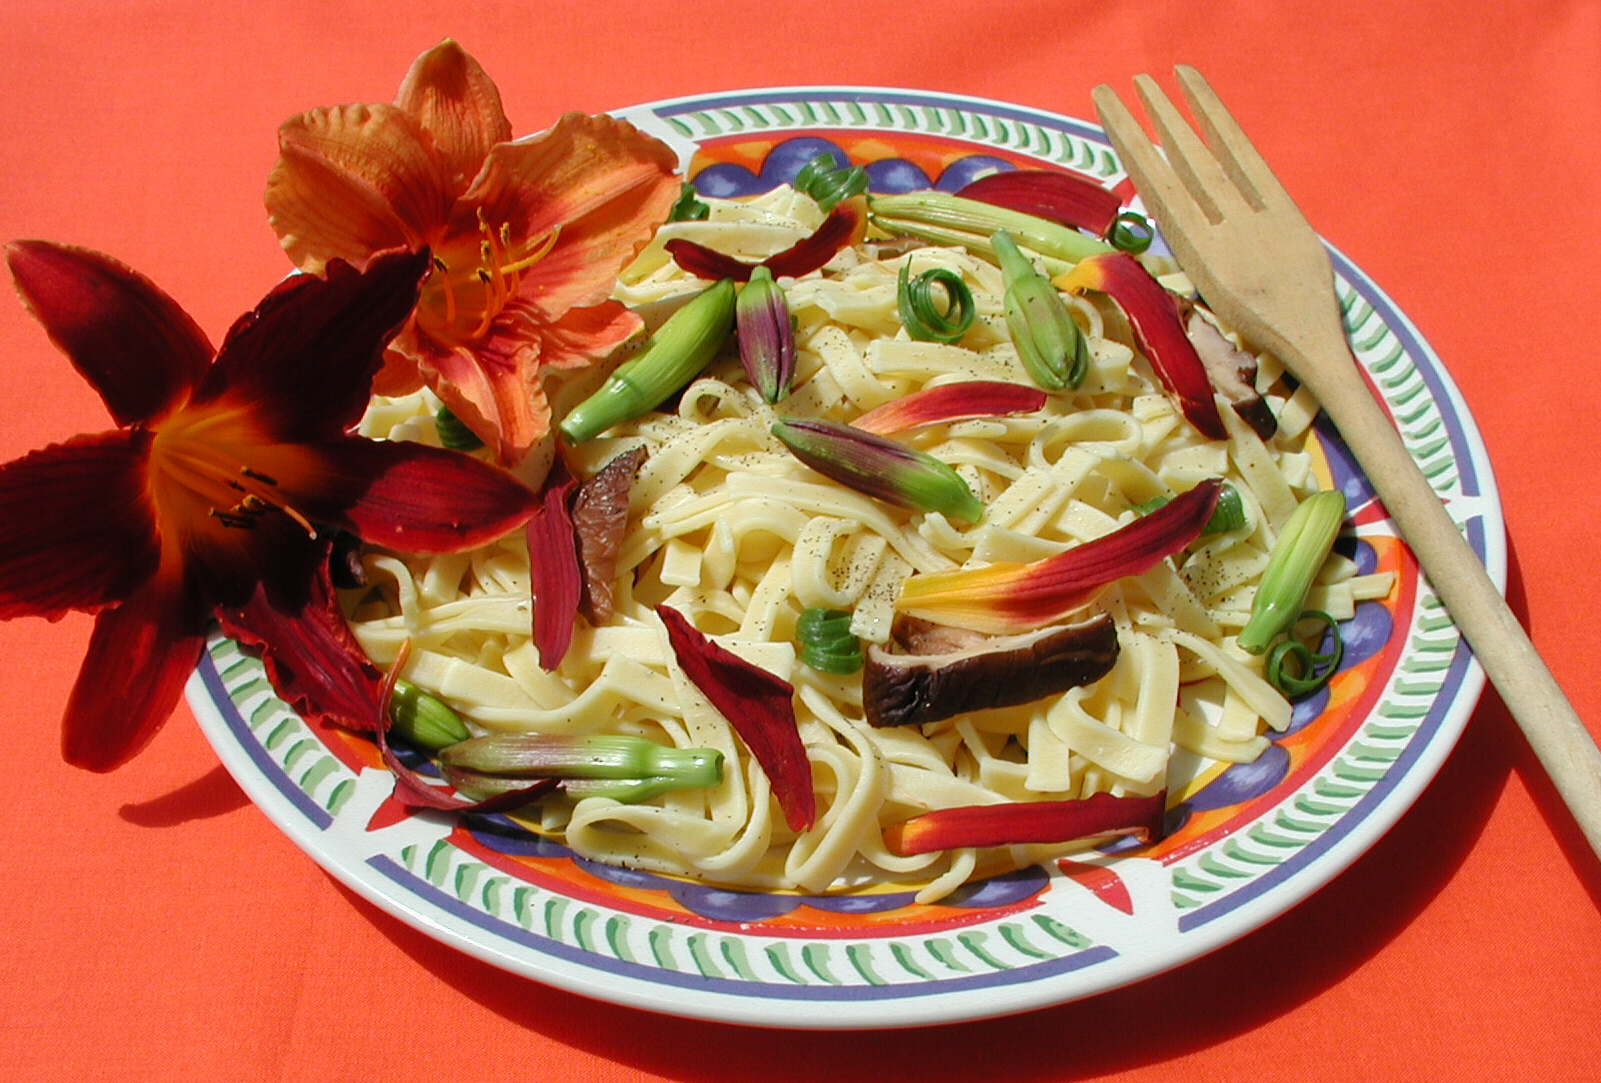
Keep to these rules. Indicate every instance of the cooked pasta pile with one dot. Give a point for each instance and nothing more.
(730, 529)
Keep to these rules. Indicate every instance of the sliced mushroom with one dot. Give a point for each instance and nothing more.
(1231, 369)
(600, 518)
(941, 672)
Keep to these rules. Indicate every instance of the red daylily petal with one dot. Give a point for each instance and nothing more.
(553, 567)
(951, 402)
(842, 227)
(1071, 199)
(457, 104)
(1154, 319)
(354, 180)
(77, 530)
(595, 183)
(1027, 822)
(758, 705)
(301, 363)
(309, 653)
(140, 654)
(1005, 598)
(138, 349)
(412, 497)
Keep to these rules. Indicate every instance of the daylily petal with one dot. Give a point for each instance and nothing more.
(493, 390)
(595, 183)
(140, 654)
(76, 526)
(132, 342)
(1006, 597)
(585, 335)
(353, 180)
(309, 653)
(412, 497)
(301, 364)
(457, 104)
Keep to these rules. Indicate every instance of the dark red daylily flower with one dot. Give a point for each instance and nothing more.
(210, 494)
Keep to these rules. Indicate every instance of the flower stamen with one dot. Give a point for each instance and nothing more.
(476, 288)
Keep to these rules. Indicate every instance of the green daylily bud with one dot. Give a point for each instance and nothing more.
(423, 720)
(616, 756)
(879, 467)
(1292, 564)
(766, 335)
(1049, 343)
(675, 354)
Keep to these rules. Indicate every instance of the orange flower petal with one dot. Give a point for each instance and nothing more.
(456, 103)
(354, 180)
(493, 389)
(597, 183)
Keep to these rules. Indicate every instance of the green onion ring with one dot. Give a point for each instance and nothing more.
(1132, 232)
(1313, 670)
(925, 320)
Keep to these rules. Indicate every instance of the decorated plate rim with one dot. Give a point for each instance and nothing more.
(1081, 934)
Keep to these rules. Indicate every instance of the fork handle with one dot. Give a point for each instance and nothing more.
(1553, 729)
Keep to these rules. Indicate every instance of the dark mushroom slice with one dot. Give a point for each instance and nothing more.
(941, 672)
(600, 519)
(1231, 370)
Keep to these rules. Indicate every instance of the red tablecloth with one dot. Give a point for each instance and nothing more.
(157, 927)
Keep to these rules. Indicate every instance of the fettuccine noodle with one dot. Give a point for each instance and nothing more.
(730, 529)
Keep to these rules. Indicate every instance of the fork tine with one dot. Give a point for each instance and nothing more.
(1164, 193)
(1228, 141)
(1194, 162)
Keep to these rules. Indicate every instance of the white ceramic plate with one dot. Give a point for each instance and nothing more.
(1243, 847)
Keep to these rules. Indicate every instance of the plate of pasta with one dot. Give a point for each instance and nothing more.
(1232, 794)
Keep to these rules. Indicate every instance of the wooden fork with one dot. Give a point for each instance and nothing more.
(1259, 265)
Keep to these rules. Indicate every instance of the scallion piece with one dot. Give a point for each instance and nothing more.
(828, 183)
(924, 318)
(1228, 514)
(1294, 668)
(453, 433)
(826, 641)
(1131, 232)
(1299, 552)
(688, 206)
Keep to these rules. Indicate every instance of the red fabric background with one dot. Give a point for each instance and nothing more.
(157, 927)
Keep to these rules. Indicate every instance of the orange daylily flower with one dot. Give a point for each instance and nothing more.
(211, 495)
(527, 236)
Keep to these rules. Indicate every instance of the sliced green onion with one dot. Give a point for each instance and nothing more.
(827, 183)
(1132, 232)
(1294, 668)
(688, 206)
(453, 433)
(1228, 514)
(1292, 564)
(924, 318)
(826, 642)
